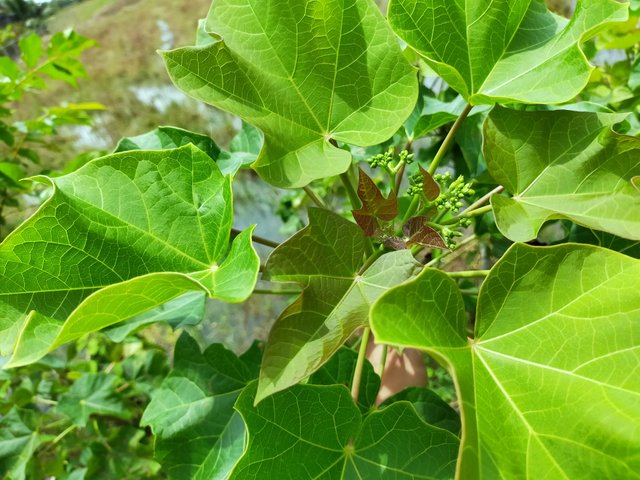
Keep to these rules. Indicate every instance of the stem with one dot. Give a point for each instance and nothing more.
(45, 401)
(468, 274)
(469, 291)
(481, 201)
(372, 258)
(477, 211)
(315, 198)
(397, 180)
(276, 291)
(448, 140)
(357, 374)
(64, 433)
(383, 361)
(468, 214)
(413, 206)
(261, 240)
(351, 192)
(459, 246)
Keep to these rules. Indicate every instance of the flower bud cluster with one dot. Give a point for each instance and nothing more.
(452, 197)
(388, 162)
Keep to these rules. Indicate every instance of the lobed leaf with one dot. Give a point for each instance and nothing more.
(374, 206)
(339, 371)
(325, 257)
(198, 434)
(120, 236)
(92, 393)
(562, 164)
(507, 50)
(548, 386)
(303, 73)
(18, 442)
(314, 431)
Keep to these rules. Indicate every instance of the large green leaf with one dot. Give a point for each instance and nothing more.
(549, 384)
(118, 237)
(504, 50)
(339, 370)
(325, 257)
(198, 433)
(562, 164)
(312, 432)
(303, 73)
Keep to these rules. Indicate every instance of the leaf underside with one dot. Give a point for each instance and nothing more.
(562, 164)
(504, 50)
(303, 73)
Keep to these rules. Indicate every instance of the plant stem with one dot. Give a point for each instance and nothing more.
(481, 201)
(466, 241)
(314, 198)
(261, 240)
(413, 206)
(397, 179)
(372, 258)
(468, 274)
(64, 433)
(468, 214)
(351, 192)
(383, 361)
(276, 291)
(469, 291)
(448, 140)
(357, 374)
(477, 211)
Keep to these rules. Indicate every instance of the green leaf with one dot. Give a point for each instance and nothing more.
(329, 246)
(432, 113)
(188, 309)
(304, 75)
(198, 433)
(548, 386)
(504, 51)
(562, 164)
(430, 407)
(374, 206)
(168, 138)
(339, 371)
(31, 49)
(18, 443)
(93, 394)
(12, 173)
(120, 236)
(311, 432)
(606, 240)
(325, 257)
(325, 315)
(9, 68)
(243, 150)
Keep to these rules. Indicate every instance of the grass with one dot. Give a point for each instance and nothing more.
(76, 14)
(128, 33)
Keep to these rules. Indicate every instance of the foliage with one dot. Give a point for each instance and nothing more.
(458, 162)
(22, 139)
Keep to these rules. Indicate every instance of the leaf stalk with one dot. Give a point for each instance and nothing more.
(448, 140)
(357, 374)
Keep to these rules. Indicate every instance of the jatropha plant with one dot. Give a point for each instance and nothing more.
(485, 146)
